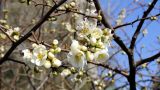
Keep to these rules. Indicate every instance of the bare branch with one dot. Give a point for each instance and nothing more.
(110, 68)
(134, 38)
(131, 23)
(149, 59)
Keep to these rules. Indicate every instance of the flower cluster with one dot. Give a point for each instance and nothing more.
(14, 33)
(91, 44)
(40, 56)
(121, 16)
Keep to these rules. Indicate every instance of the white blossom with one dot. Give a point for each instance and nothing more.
(14, 32)
(75, 46)
(96, 32)
(27, 54)
(76, 57)
(102, 55)
(39, 55)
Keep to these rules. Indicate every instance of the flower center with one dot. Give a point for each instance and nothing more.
(78, 57)
(40, 56)
(101, 56)
(84, 31)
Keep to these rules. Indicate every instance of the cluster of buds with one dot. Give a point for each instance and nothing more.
(68, 6)
(153, 18)
(91, 44)
(4, 23)
(100, 85)
(78, 76)
(40, 56)
(14, 33)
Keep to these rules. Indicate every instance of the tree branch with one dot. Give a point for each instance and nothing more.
(149, 59)
(131, 77)
(134, 38)
(131, 23)
(14, 45)
(110, 68)
(107, 25)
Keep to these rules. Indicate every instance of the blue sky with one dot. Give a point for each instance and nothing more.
(113, 7)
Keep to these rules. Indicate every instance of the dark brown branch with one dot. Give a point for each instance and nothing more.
(110, 68)
(3, 31)
(104, 21)
(14, 45)
(134, 38)
(107, 25)
(78, 12)
(131, 23)
(149, 59)
(16, 61)
(131, 77)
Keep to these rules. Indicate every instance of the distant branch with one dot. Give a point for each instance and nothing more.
(134, 38)
(149, 59)
(110, 68)
(131, 23)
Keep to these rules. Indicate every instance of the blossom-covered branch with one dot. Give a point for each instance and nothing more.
(30, 32)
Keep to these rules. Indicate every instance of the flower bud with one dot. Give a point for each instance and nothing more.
(158, 60)
(47, 64)
(56, 63)
(144, 65)
(73, 70)
(2, 36)
(65, 72)
(99, 17)
(72, 4)
(34, 45)
(153, 18)
(100, 45)
(54, 73)
(52, 50)
(16, 37)
(89, 56)
(93, 41)
(110, 73)
(66, 6)
(145, 32)
(57, 50)
(51, 55)
(55, 42)
(83, 48)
